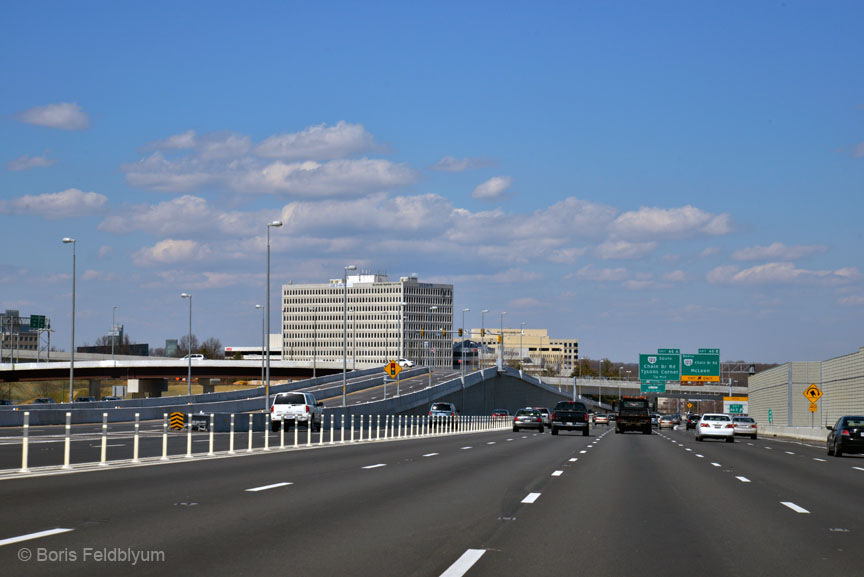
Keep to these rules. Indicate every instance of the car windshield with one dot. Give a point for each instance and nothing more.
(440, 407)
(715, 418)
(743, 420)
(855, 421)
(295, 399)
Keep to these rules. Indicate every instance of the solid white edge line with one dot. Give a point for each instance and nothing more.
(38, 535)
(794, 507)
(375, 466)
(743, 479)
(265, 487)
(531, 497)
(557, 473)
(820, 460)
(858, 468)
(464, 563)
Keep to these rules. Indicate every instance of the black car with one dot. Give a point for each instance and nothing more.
(846, 436)
(5, 402)
(42, 400)
(692, 421)
(84, 399)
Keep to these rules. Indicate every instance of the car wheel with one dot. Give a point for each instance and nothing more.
(754, 437)
(275, 426)
(698, 438)
(541, 428)
(730, 439)
(515, 429)
(617, 431)
(646, 431)
(554, 431)
(584, 432)
(838, 452)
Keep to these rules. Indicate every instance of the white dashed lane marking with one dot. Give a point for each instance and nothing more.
(794, 507)
(430, 454)
(29, 536)
(743, 479)
(557, 473)
(375, 466)
(266, 487)
(464, 563)
(531, 497)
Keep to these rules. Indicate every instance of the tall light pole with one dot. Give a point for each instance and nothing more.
(345, 331)
(353, 339)
(189, 344)
(428, 343)
(263, 333)
(113, 334)
(521, 332)
(73, 242)
(314, 342)
(277, 224)
(463, 341)
(501, 356)
(482, 336)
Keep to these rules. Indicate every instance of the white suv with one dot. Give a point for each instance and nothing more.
(404, 363)
(716, 425)
(296, 408)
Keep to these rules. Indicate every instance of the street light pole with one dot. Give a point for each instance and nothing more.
(482, 336)
(275, 223)
(521, 334)
(314, 342)
(345, 331)
(427, 343)
(501, 348)
(189, 345)
(113, 334)
(263, 333)
(72, 361)
(463, 341)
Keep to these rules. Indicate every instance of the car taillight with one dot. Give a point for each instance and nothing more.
(272, 407)
(554, 419)
(845, 433)
(452, 414)
(585, 417)
(430, 413)
(704, 425)
(730, 426)
(307, 408)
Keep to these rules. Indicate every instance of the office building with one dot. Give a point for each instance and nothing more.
(385, 321)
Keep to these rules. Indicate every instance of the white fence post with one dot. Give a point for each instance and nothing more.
(67, 444)
(212, 438)
(25, 442)
(164, 437)
(231, 437)
(104, 453)
(135, 442)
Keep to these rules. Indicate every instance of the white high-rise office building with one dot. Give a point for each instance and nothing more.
(385, 320)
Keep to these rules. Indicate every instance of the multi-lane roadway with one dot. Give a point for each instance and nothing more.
(484, 504)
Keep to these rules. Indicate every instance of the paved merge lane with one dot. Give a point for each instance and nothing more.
(487, 504)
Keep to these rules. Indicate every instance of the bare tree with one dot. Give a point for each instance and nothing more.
(212, 348)
(183, 347)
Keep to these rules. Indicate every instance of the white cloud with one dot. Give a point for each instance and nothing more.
(55, 206)
(859, 151)
(452, 164)
(98, 275)
(709, 251)
(493, 189)
(104, 251)
(621, 249)
(777, 251)
(171, 251)
(180, 141)
(602, 275)
(319, 143)
(63, 115)
(675, 276)
(26, 162)
(779, 273)
(567, 255)
(852, 300)
(672, 223)
(184, 216)
(337, 178)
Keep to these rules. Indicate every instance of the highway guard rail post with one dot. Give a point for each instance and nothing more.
(135, 441)
(104, 451)
(249, 450)
(267, 431)
(164, 436)
(189, 436)
(231, 437)
(212, 432)
(24, 442)
(67, 444)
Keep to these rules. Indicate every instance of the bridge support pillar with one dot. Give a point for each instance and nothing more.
(209, 385)
(144, 388)
(95, 388)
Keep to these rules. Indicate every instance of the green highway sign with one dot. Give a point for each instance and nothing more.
(700, 368)
(668, 351)
(709, 351)
(37, 322)
(659, 367)
(653, 387)
(736, 409)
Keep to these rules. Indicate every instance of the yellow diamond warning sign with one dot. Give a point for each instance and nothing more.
(813, 393)
(392, 368)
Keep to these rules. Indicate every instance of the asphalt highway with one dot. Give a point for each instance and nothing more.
(482, 504)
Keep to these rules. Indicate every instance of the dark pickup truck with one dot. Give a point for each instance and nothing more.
(570, 416)
(633, 415)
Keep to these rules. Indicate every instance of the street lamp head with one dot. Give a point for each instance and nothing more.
(67, 240)
(351, 267)
(466, 310)
(185, 296)
(484, 311)
(259, 306)
(276, 223)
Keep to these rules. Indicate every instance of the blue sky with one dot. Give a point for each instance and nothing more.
(635, 175)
